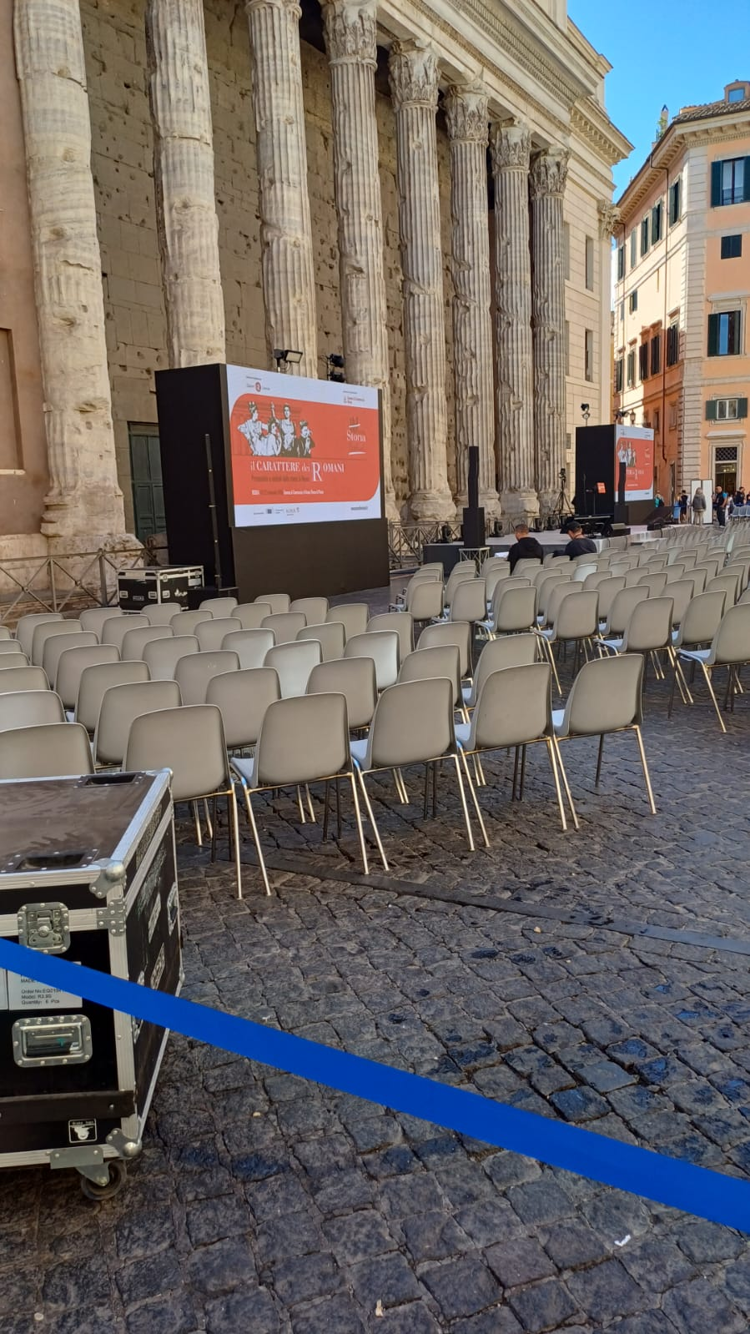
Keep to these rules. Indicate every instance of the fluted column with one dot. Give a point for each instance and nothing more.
(468, 130)
(84, 499)
(548, 173)
(414, 89)
(187, 223)
(286, 235)
(350, 33)
(511, 146)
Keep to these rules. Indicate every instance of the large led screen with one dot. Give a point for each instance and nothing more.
(634, 448)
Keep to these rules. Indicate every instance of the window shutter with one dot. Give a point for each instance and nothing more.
(715, 184)
(711, 410)
(713, 335)
(746, 194)
(741, 407)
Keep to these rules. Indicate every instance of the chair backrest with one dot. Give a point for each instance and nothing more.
(47, 750)
(219, 608)
(739, 564)
(243, 698)
(331, 636)
(674, 573)
(497, 654)
(701, 619)
(431, 567)
(469, 602)
(302, 738)
(314, 610)
(135, 641)
(400, 623)
(115, 629)
(494, 571)
(449, 632)
(582, 571)
(193, 673)
(622, 608)
(711, 564)
(725, 583)
(426, 663)
(27, 625)
(23, 678)
(161, 613)
(352, 615)
(94, 618)
(189, 741)
(162, 655)
(606, 695)
(558, 595)
(513, 708)
(186, 622)
(354, 678)
(578, 618)
(383, 648)
(607, 590)
(251, 614)
(697, 578)
(649, 627)
(73, 662)
(286, 625)
(10, 661)
(732, 639)
(545, 586)
(462, 573)
(413, 723)
(96, 679)
(655, 583)
(293, 662)
(251, 646)
(120, 705)
(211, 634)
(58, 644)
(424, 599)
(681, 594)
(5, 633)
(738, 571)
(28, 708)
(48, 630)
(278, 602)
(516, 610)
(526, 565)
(12, 646)
(595, 578)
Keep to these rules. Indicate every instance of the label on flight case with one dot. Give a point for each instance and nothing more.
(153, 919)
(23, 993)
(82, 1131)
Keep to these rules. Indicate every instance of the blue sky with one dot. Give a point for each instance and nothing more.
(677, 52)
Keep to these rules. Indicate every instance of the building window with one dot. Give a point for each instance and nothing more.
(145, 472)
(631, 368)
(644, 237)
(619, 370)
(633, 249)
(589, 264)
(567, 348)
(643, 361)
(724, 334)
(730, 181)
(675, 201)
(656, 217)
(633, 300)
(588, 354)
(621, 261)
(566, 250)
(737, 94)
(673, 345)
(674, 415)
(726, 409)
(731, 247)
(657, 421)
(656, 354)
(622, 312)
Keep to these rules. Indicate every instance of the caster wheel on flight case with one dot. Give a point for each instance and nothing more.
(117, 1176)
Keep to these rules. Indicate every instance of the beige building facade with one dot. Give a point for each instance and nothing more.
(423, 190)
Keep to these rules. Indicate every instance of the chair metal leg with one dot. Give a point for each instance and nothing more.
(209, 826)
(477, 808)
(644, 766)
(371, 818)
(310, 805)
(256, 839)
(599, 760)
(300, 807)
(434, 791)
(469, 834)
(563, 774)
(426, 790)
(338, 809)
(709, 683)
(198, 830)
(234, 825)
(326, 796)
(556, 776)
(522, 780)
(515, 773)
(401, 791)
(214, 823)
(360, 830)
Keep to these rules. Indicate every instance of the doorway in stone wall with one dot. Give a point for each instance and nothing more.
(725, 468)
(146, 480)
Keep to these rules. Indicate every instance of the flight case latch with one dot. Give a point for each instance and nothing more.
(44, 926)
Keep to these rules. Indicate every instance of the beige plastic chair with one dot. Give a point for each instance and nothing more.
(314, 610)
(513, 610)
(449, 632)
(681, 594)
(383, 648)
(698, 627)
(494, 572)
(674, 573)
(723, 583)
(510, 651)
(96, 680)
(526, 565)
(655, 583)
(93, 619)
(513, 712)
(399, 623)
(464, 571)
(427, 664)
(739, 567)
(577, 622)
(5, 633)
(303, 740)
(424, 599)
(120, 706)
(11, 648)
(58, 644)
(162, 655)
(595, 578)
(23, 678)
(331, 636)
(278, 602)
(608, 591)
(135, 641)
(544, 589)
(697, 578)
(251, 614)
(649, 631)
(220, 608)
(50, 750)
(730, 648)
(48, 630)
(193, 673)
(251, 646)
(556, 596)
(211, 634)
(469, 602)
(243, 698)
(293, 664)
(583, 569)
(30, 708)
(27, 625)
(161, 613)
(115, 629)
(73, 662)
(621, 609)
(352, 615)
(190, 742)
(12, 661)
(286, 625)
(354, 678)
(186, 622)
(711, 564)
(607, 696)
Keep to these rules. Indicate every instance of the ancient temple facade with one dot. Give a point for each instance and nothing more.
(423, 190)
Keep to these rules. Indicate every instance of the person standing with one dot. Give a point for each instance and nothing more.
(720, 505)
(683, 504)
(699, 505)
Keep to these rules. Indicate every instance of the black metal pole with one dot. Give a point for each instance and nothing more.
(212, 511)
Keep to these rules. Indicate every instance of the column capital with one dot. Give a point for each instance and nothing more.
(350, 30)
(610, 218)
(466, 113)
(290, 7)
(549, 171)
(511, 147)
(413, 72)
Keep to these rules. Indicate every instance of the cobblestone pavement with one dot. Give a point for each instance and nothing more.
(265, 1205)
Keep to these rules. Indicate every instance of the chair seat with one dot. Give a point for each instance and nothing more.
(615, 644)
(359, 752)
(466, 693)
(696, 654)
(558, 716)
(463, 732)
(244, 768)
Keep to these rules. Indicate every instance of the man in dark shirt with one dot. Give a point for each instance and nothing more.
(578, 544)
(526, 547)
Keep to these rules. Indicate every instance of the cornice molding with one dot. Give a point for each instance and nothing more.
(679, 137)
(591, 124)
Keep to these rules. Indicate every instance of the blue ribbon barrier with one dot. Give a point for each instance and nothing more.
(642, 1172)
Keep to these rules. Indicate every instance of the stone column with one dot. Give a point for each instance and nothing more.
(186, 217)
(466, 114)
(548, 173)
(511, 146)
(350, 33)
(414, 89)
(84, 501)
(286, 234)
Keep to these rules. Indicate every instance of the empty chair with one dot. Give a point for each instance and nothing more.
(189, 741)
(58, 644)
(450, 632)
(469, 602)
(699, 624)
(48, 630)
(73, 662)
(293, 664)
(314, 610)
(211, 634)
(723, 583)
(730, 648)
(186, 622)
(286, 625)
(513, 610)
(162, 655)
(525, 565)
(425, 664)
(27, 625)
(219, 607)
(424, 599)
(383, 648)
(251, 646)
(115, 629)
(120, 706)
(29, 708)
(621, 609)
(608, 590)
(96, 679)
(494, 571)
(595, 578)
(576, 621)
(649, 630)
(94, 618)
(135, 641)
(544, 589)
(510, 651)
(9, 661)
(711, 564)
(243, 698)
(582, 570)
(250, 614)
(161, 613)
(655, 583)
(674, 573)
(555, 600)
(330, 635)
(278, 602)
(465, 570)
(607, 696)
(697, 578)
(681, 594)
(13, 648)
(739, 564)
(49, 750)
(352, 615)
(23, 678)
(5, 633)
(193, 673)
(401, 623)
(354, 678)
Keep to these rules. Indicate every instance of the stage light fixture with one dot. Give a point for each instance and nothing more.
(335, 367)
(585, 411)
(286, 357)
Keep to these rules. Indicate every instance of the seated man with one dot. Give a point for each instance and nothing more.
(578, 544)
(525, 547)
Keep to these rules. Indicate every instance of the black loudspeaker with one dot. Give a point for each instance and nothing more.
(473, 529)
(473, 481)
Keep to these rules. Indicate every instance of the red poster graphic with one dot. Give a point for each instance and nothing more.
(634, 446)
